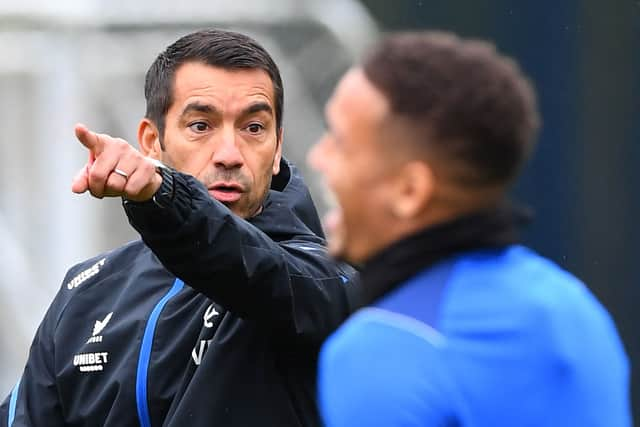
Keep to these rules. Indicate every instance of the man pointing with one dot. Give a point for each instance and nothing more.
(216, 315)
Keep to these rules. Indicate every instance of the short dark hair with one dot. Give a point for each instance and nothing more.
(218, 48)
(466, 101)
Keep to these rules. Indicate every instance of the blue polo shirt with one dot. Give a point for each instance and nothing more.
(487, 338)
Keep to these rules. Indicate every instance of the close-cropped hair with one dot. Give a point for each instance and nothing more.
(219, 48)
(463, 100)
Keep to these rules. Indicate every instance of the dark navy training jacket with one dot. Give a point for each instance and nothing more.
(226, 333)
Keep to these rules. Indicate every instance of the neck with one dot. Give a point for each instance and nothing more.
(483, 229)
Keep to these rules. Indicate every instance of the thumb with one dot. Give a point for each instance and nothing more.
(80, 182)
(89, 139)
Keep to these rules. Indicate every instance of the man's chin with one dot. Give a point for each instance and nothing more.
(232, 206)
(335, 251)
(335, 229)
(242, 210)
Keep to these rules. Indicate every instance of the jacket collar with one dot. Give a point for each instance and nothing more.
(288, 209)
(395, 264)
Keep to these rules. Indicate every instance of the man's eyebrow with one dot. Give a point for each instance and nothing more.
(198, 107)
(257, 107)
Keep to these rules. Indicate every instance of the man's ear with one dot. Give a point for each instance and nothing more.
(278, 155)
(149, 139)
(413, 189)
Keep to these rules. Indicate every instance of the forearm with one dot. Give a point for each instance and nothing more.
(292, 284)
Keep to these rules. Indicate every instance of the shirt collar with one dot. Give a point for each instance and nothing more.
(494, 228)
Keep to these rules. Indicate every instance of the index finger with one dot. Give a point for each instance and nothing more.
(89, 139)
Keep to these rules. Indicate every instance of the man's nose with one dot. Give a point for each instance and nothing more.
(227, 153)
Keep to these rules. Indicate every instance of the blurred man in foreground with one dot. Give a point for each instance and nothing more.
(216, 316)
(465, 327)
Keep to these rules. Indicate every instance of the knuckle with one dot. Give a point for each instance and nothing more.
(116, 182)
(149, 168)
(122, 145)
(133, 188)
(96, 175)
(130, 190)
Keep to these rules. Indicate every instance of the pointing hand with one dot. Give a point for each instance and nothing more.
(114, 168)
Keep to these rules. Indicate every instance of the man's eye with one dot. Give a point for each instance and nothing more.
(199, 126)
(255, 128)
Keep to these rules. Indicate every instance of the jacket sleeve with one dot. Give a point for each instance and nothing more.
(34, 399)
(292, 286)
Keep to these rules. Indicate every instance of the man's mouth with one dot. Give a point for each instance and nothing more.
(226, 192)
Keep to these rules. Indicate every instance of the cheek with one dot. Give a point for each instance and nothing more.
(258, 167)
(365, 203)
(365, 220)
(337, 173)
(192, 161)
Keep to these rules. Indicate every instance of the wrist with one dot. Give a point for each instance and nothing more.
(165, 190)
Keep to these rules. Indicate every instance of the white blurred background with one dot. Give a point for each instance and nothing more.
(84, 61)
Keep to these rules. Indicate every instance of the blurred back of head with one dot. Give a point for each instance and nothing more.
(469, 108)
